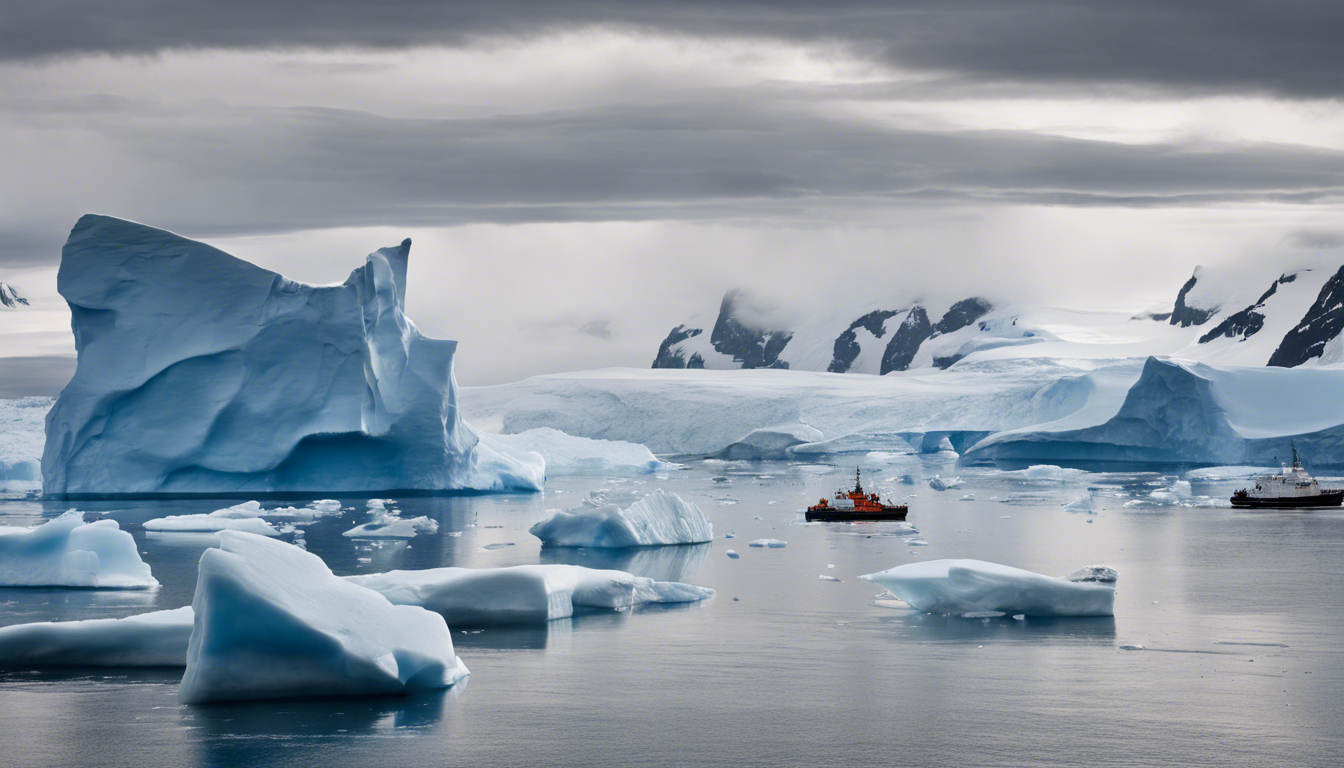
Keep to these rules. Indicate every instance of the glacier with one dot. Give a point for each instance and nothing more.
(201, 373)
(659, 518)
(975, 586)
(68, 552)
(272, 621)
(523, 594)
(155, 639)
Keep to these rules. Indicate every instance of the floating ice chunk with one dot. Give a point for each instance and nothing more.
(916, 543)
(732, 553)
(824, 577)
(1019, 617)
(1080, 504)
(211, 523)
(569, 455)
(729, 535)
(387, 526)
(523, 594)
(1212, 474)
(968, 497)
(68, 552)
(272, 621)
(964, 586)
(770, 543)
(659, 518)
(939, 483)
(157, 639)
(314, 511)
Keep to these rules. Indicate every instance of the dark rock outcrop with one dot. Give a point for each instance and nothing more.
(913, 331)
(670, 358)
(11, 298)
(962, 314)
(1185, 315)
(752, 347)
(847, 344)
(1248, 321)
(1322, 322)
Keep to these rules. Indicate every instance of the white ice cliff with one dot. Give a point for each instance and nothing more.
(523, 594)
(975, 586)
(200, 373)
(68, 552)
(272, 621)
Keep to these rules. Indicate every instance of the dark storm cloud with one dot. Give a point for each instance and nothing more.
(1286, 47)
(249, 171)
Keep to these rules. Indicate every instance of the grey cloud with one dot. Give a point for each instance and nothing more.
(1316, 238)
(1287, 47)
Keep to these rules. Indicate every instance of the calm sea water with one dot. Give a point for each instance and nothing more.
(1239, 614)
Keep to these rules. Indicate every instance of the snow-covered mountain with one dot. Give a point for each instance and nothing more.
(10, 298)
(1226, 317)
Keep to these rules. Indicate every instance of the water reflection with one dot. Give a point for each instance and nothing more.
(671, 563)
(910, 625)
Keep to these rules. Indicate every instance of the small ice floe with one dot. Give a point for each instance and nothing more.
(68, 552)
(830, 565)
(1019, 617)
(388, 526)
(732, 553)
(916, 543)
(770, 543)
(499, 545)
(1132, 648)
(659, 518)
(968, 586)
(968, 497)
(730, 535)
(1005, 517)
(1080, 504)
(220, 520)
(824, 577)
(940, 483)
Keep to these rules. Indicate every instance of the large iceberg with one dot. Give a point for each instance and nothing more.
(523, 594)
(272, 621)
(975, 586)
(157, 639)
(660, 518)
(68, 552)
(202, 373)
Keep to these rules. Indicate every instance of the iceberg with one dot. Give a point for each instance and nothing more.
(570, 455)
(659, 518)
(768, 543)
(272, 621)
(389, 526)
(975, 586)
(213, 522)
(68, 552)
(523, 594)
(157, 639)
(199, 373)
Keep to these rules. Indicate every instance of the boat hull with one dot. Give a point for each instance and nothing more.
(1327, 499)
(856, 516)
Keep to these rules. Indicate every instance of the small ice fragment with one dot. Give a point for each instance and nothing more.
(917, 543)
(730, 535)
(733, 554)
(1019, 617)
(1132, 648)
(771, 543)
(500, 545)
(824, 577)
(830, 565)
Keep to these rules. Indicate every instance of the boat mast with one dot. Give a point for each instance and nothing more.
(1296, 463)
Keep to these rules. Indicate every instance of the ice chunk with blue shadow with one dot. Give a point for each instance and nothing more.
(68, 552)
(976, 586)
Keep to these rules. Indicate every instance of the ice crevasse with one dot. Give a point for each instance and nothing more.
(199, 372)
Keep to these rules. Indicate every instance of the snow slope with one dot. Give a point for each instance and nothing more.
(272, 621)
(522, 594)
(199, 372)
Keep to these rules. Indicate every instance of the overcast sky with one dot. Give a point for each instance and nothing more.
(578, 178)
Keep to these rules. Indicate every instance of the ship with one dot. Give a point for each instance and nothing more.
(855, 506)
(1292, 487)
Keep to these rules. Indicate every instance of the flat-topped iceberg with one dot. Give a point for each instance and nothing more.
(68, 552)
(156, 639)
(213, 522)
(660, 518)
(975, 586)
(523, 594)
(272, 621)
(199, 372)
(570, 455)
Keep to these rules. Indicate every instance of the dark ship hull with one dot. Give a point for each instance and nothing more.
(832, 515)
(1326, 499)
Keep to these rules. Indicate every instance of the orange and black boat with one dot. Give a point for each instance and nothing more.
(855, 507)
